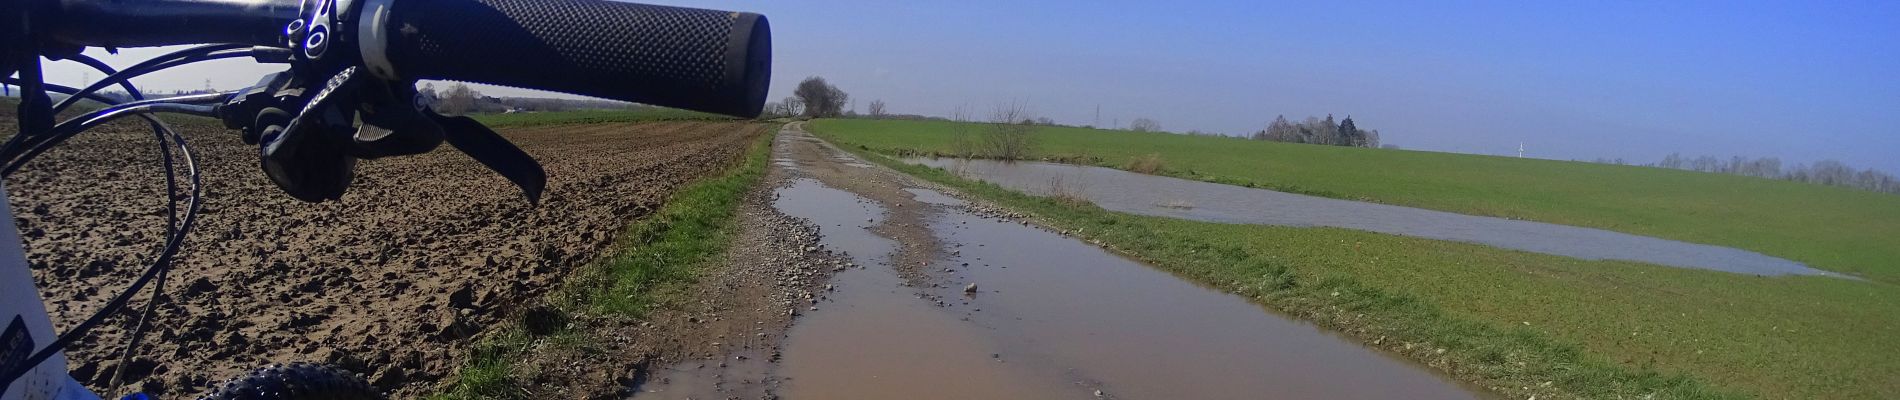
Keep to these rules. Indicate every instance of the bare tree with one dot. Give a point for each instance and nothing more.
(791, 106)
(877, 109)
(1144, 125)
(1008, 136)
(820, 98)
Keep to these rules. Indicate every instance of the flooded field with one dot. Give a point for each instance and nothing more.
(1129, 192)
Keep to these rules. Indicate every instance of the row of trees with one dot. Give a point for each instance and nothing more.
(1319, 131)
(816, 98)
(1825, 172)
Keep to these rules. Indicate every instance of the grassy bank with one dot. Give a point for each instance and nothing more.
(1832, 228)
(1522, 323)
(658, 259)
(641, 114)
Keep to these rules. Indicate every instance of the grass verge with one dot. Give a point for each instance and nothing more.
(1832, 228)
(658, 259)
(1522, 324)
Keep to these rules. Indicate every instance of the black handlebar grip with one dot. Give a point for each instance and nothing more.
(696, 59)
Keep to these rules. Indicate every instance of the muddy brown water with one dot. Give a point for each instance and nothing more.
(877, 339)
(1052, 317)
(1130, 192)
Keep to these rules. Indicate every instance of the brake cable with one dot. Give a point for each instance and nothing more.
(172, 243)
(35, 144)
(159, 131)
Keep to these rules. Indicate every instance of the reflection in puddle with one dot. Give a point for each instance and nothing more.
(1129, 192)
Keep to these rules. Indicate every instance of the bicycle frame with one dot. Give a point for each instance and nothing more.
(30, 327)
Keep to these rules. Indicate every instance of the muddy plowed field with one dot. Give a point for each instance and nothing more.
(392, 281)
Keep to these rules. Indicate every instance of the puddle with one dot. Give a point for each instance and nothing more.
(1129, 192)
(1036, 331)
(701, 379)
(1145, 334)
(875, 338)
(928, 196)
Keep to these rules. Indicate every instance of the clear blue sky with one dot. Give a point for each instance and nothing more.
(1800, 80)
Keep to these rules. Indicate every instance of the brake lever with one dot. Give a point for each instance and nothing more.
(495, 152)
(312, 155)
(392, 128)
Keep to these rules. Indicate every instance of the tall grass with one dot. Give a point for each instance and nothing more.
(1148, 164)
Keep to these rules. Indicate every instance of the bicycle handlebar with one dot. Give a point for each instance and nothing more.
(105, 23)
(705, 60)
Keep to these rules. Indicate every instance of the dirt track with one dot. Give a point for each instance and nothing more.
(392, 281)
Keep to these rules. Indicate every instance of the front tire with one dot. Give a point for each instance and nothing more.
(296, 381)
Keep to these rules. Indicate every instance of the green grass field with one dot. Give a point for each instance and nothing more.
(1837, 229)
(640, 114)
(1521, 323)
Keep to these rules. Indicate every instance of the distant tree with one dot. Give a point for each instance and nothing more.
(820, 98)
(877, 108)
(1704, 164)
(1315, 130)
(791, 106)
(1045, 121)
(1349, 135)
(1830, 172)
(1673, 160)
(1390, 146)
(1144, 125)
(961, 113)
(1328, 131)
(1824, 172)
(458, 100)
(1281, 131)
